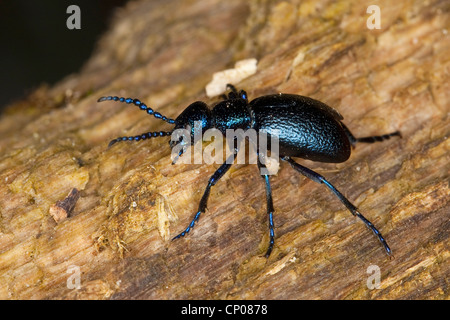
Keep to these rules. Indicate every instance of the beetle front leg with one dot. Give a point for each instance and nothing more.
(204, 201)
(320, 179)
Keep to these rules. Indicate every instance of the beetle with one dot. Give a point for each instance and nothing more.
(306, 128)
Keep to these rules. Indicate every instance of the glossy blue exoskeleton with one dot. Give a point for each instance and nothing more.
(306, 128)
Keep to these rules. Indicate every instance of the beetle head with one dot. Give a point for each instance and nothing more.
(194, 120)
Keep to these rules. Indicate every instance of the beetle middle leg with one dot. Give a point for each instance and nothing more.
(320, 179)
(370, 139)
(270, 209)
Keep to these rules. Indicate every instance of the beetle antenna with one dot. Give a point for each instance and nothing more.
(139, 104)
(143, 136)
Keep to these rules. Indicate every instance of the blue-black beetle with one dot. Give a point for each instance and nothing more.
(306, 128)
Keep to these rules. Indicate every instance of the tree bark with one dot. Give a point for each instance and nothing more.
(116, 241)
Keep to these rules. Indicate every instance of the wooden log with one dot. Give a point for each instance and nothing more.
(116, 242)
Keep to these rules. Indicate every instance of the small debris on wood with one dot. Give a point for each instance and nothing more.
(62, 209)
(242, 69)
(166, 214)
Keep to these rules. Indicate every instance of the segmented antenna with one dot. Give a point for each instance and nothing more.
(139, 104)
(143, 136)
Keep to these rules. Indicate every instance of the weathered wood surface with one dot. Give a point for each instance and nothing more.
(132, 200)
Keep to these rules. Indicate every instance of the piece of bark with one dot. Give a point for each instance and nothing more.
(63, 208)
(394, 78)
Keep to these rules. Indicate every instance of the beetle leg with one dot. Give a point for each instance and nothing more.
(212, 181)
(270, 209)
(234, 94)
(243, 95)
(373, 139)
(232, 88)
(370, 139)
(320, 179)
(349, 135)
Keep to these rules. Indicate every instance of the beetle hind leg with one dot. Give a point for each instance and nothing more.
(320, 179)
(370, 139)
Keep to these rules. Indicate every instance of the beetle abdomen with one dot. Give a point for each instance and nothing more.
(307, 128)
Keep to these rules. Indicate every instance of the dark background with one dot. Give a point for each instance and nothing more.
(37, 47)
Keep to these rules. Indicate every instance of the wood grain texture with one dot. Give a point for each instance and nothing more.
(132, 200)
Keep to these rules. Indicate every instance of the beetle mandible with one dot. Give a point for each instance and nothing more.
(306, 128)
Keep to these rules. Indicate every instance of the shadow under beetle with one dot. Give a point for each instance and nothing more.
(306, 128)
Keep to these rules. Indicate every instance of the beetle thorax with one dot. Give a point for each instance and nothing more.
(231, 114)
